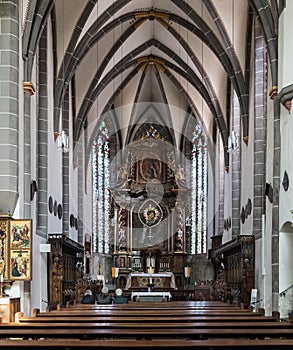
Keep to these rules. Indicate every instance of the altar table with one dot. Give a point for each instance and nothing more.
(159, 280)
(151, 296)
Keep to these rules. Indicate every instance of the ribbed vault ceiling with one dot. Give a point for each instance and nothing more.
(185, 55)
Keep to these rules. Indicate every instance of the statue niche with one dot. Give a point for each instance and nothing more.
(150, 258)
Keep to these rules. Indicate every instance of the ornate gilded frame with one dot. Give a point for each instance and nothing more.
(20, 250)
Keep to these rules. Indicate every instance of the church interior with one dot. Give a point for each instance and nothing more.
(145, 146)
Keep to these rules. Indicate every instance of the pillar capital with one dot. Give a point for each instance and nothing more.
(28, 87)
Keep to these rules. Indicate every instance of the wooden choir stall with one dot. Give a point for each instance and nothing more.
(66, 270)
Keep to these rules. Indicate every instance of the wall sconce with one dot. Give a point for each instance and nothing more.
(233, 143)
(63, 142)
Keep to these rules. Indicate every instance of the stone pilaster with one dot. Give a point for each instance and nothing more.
(9, 111)
(259, 131)
(236, 170)
(42, 164)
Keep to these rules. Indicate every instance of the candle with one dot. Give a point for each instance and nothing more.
(1, 278)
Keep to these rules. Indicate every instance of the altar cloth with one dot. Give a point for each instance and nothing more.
(151, 296)
(159, 280)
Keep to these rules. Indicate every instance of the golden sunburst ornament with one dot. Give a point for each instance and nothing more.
(150, 213)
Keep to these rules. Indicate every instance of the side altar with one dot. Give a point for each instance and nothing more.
(137, 281)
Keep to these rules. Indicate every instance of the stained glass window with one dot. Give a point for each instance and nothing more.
(199, 192)
(101, 198)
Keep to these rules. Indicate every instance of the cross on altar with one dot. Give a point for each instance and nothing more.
(150, 236)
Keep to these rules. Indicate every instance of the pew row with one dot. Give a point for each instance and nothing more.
(236, 344)
(144, 312)
(67, 324)
(149, 319)
(84, 333)
(145, 325)
(191, 305)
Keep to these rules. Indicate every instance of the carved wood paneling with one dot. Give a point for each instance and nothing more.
(65, 262)
(234, 264)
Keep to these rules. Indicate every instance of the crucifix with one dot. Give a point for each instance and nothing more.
(150, 235)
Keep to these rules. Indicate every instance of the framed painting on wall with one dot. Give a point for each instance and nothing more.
(4, 248)
(20, 250)
(150, 168)
(20, 234)
(20, 264)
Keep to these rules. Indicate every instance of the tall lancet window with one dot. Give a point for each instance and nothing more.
(199, 192)
(101, 198)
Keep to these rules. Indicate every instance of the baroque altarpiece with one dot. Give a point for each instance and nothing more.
(149, 204)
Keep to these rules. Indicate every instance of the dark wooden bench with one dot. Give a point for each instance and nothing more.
(144, 312)
(220, 344)
(157, 306)
(84, 333)
(144, 324)
(149, 315)
(150, 319)
(114, 328)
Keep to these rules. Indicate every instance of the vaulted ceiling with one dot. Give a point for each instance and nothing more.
(162, 61)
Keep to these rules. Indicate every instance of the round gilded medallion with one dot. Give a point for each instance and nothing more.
(150, 213)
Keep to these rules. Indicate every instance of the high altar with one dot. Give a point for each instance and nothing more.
(149, 204)
(142, 280)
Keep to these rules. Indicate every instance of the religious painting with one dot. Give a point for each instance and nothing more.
(4, 247)
(150, 168)
(20, 234)
(20, 264)
(20, 250)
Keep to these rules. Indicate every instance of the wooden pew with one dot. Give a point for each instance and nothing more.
(188, 305)
(284, 344)
(150, 315)
(145, 312)
(94, 328)
(150, 319)
(267, 344)
(152, 325)
(145, 333)
(151, 307)
(157, 305)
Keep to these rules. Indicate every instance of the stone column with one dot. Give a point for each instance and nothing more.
(65, 167)
(236, 170)
(42, 150)
(9, 123)
(260, 131)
